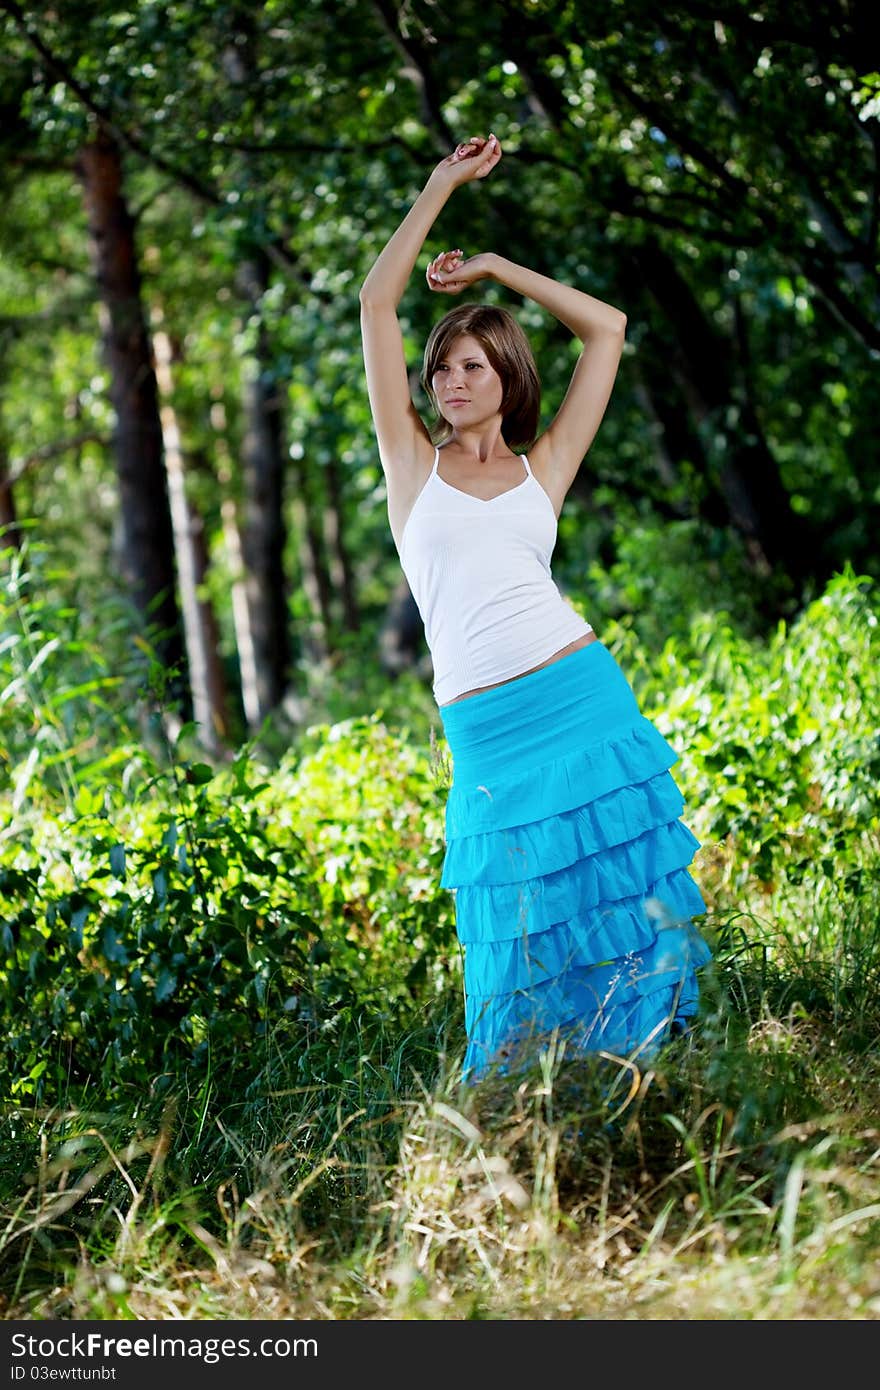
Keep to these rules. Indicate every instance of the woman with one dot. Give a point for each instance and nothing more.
(564, 847)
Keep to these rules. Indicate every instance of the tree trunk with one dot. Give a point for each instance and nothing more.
(675, 439)
(10, 531)
(263, 530)
(199, 623)
(316, 571)
(241, 612)
(334, 518)
(147, 558)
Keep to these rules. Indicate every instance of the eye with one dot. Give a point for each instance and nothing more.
(473, 364)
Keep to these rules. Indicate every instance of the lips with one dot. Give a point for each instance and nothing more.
(456, 400)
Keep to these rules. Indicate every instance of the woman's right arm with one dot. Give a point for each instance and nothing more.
(400, 432)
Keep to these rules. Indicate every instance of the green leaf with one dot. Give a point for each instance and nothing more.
(165, 986)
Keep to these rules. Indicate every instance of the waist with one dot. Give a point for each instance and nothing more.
(476, 649)
(567, 650)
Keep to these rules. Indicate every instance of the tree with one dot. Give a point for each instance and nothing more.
(147, 544)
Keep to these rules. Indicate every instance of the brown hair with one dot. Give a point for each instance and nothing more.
(508, 351)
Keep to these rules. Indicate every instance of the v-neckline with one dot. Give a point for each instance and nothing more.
(486, 501)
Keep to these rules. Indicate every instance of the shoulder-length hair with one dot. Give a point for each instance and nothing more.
(507, 348)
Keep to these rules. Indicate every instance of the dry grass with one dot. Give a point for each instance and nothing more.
(573, 1191)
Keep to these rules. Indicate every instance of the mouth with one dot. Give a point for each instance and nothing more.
(456, 400)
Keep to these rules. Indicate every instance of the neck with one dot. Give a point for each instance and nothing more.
(483, 442)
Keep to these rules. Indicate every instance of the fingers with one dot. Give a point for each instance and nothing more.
(467, 147)
(443, 264)
(443, 282)
(491, 153)
(476, 145)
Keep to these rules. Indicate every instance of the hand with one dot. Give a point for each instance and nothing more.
(472, 159)
(450, 273)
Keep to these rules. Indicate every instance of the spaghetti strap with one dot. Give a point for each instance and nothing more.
(528, 467)
(436, 461)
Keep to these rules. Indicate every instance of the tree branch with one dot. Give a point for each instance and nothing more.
(50, 451)
(419, 73)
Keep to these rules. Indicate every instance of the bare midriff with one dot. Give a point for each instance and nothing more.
(574, 646)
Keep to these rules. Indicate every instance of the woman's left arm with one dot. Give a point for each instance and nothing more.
(558, 453)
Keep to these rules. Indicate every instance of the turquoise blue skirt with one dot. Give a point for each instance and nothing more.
(569, 865)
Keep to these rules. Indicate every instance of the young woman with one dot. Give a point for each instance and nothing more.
(564, 847)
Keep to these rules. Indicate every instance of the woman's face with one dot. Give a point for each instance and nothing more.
(466, 386)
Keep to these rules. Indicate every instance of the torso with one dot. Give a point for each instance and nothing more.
(506, 476)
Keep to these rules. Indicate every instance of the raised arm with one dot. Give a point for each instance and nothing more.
(558, 453)
(404, 442)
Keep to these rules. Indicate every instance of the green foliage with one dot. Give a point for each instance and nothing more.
(779, 741)
(141, 943)
(159, 934)
(658, 580)
(369, 803)
(161, 913)
(62, 701)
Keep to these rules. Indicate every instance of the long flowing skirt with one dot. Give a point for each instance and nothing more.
(569, 865)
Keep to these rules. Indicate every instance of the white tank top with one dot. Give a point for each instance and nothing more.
(479, 571)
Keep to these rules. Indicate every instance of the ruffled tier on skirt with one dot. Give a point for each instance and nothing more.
(570, 866)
